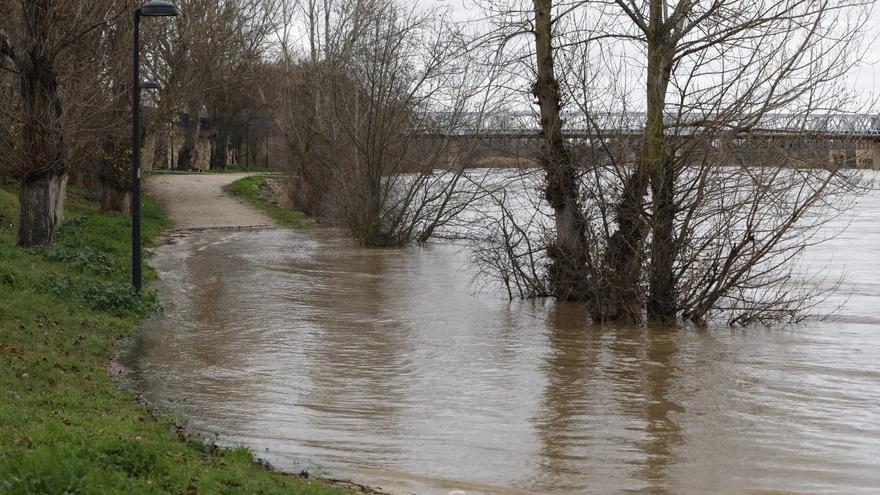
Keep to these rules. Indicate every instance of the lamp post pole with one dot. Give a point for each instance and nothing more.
(151, 8)
(136, 156)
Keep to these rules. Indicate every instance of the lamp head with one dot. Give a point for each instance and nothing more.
(151, 85)
(159, 8)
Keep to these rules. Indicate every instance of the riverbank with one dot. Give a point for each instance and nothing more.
(258, 191)
(65, 427)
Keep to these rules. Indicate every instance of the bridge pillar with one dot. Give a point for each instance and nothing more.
(453, 152)
(875, 155)
(868, 156)
(844, 154)
(835, 157)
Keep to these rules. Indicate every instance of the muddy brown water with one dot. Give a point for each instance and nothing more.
(387, 367)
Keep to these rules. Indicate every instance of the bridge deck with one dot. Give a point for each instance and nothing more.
(523, 125)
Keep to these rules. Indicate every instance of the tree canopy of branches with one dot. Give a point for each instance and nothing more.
(353, 108)
(67, 64)
(209, 65)
(699, 215)
(51, 116)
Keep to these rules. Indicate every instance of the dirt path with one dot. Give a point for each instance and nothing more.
(198, 201)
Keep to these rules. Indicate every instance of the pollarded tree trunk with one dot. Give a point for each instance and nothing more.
(569, 254)
(115, 198)
(237, 156)
(661, 296)
(43, 179)
(621, 297)
(114, 171)
(42, 209)
(219, 148)
(187, 155)
(160, 155)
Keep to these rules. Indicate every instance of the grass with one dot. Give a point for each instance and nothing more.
(64, 426)
(249, 188)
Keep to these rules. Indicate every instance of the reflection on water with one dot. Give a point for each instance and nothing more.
(385, 367)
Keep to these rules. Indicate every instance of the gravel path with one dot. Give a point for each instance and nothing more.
(199, 201)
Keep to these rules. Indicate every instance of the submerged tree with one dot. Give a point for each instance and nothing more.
(700, 213)
(568, 251)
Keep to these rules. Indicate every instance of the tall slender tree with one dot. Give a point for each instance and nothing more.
(568, 252)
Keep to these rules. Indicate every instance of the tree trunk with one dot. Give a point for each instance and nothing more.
(238, 157)
(160, 156)
(327, 10)
(114, 198)
(42, 209)
(569, 254)
(312, 15)
(44, 181)
(621, 298)
(661, 296)
(187, 154)
(219, 148)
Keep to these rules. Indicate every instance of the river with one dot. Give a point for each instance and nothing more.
(388, 367)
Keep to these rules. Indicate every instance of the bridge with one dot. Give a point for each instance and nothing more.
(525, 124)
(849, 137)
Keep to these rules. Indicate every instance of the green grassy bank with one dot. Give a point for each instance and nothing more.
(64, 426)
(250, 189)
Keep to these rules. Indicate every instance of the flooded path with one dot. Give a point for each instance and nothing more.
(200, 201)
(386, 367)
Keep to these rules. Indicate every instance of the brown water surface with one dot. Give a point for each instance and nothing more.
(386, 367)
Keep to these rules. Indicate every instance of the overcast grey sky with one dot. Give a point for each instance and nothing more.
(866, 81)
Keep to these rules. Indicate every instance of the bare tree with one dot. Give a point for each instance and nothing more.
(568, 252)
(712, 77)
(372, 129)
(41, 40)
(208, 64)
(305, 84)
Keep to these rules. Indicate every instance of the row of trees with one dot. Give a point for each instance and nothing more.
(65, 69)
(52, 54)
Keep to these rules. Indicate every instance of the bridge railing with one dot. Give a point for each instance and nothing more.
(526, 123)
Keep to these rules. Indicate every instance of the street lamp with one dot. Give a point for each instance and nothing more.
(158, 8)
(150, 84)
(150, 8)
